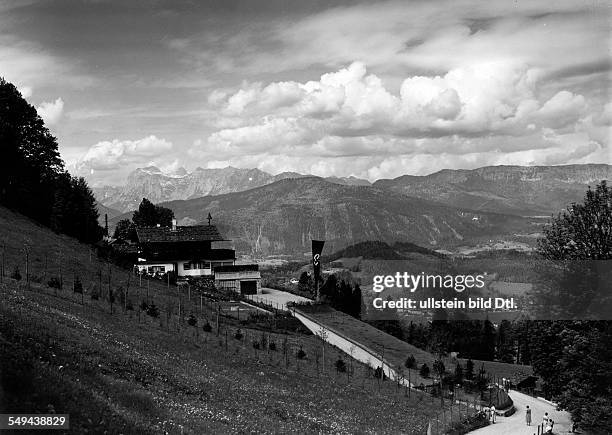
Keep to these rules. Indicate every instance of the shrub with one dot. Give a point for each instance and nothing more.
(380, 374)
(94, 295)
(238, 335)
(121, 295)
(16, 275)
(469, 424)
(458, 378)
(300, 353)
(469, 370)
(410, 362)
(207, 327)
(256, 345)
(78, 286)
(438, 367)
(272, 346)
(424, 371)
(54, 282)
(144, 306)
(129, 306)
(263, 340)
(448, 379)
(340, 366)
(153, 311)
(192, 321)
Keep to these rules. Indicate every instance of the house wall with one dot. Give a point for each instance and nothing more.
(145, 267)
(192, 272)
(181, 271)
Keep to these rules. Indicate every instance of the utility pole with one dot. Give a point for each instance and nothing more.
(110, 292)
(3, 254)
(218, 311)
(26, 249)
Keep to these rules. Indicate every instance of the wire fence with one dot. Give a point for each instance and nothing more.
(308, 356)
(78, 277)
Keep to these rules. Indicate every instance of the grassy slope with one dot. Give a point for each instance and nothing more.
(396, 351)
(128, 374)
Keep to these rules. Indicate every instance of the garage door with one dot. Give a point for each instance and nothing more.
(248, 287)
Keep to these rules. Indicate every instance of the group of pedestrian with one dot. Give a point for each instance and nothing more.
(490, 413)
(547, 422)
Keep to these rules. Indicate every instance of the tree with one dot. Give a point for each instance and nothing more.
(410, 362)
(387, 320)
(125, 230)
(439, 368)
(469, 369)
(30, 157)
(487, 341)
(458, 374)
(584, 231)
(504, 343)
(192, 321)
(33, 180)
(78, 285)
(150, 215)
(356, 302)
(300, 354)
(305, 283)
(424, 371)
(573, 357)
(16, 275)
(153, 311)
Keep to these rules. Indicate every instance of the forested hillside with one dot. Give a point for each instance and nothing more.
(33, 179)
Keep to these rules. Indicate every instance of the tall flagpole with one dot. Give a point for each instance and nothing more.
(317, 248)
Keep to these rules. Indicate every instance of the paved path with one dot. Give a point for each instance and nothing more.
(515, 424)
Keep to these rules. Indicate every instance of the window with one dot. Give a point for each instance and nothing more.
(186, 266)
(156, 269)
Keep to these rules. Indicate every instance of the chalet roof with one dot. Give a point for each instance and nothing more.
(196, 233)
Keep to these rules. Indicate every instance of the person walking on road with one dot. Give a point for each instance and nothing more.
(493, 414)
(528, 415)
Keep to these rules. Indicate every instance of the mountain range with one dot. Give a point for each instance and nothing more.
(157, 186)
(522, 190)
(282, 217)
(269, 214)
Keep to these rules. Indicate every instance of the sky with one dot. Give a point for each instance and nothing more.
(369, 89)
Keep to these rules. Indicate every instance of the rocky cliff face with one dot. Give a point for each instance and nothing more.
(157, 186)
(284, 216)
(523, 190)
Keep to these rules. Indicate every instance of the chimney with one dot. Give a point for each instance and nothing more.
(173, 224)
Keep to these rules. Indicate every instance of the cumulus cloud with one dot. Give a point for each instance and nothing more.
(349, 123)
(480, 100)
(51, 112)
(112, 155)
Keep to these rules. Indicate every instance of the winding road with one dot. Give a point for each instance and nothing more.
(515, 424)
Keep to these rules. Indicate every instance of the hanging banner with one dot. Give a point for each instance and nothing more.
(317, 248)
